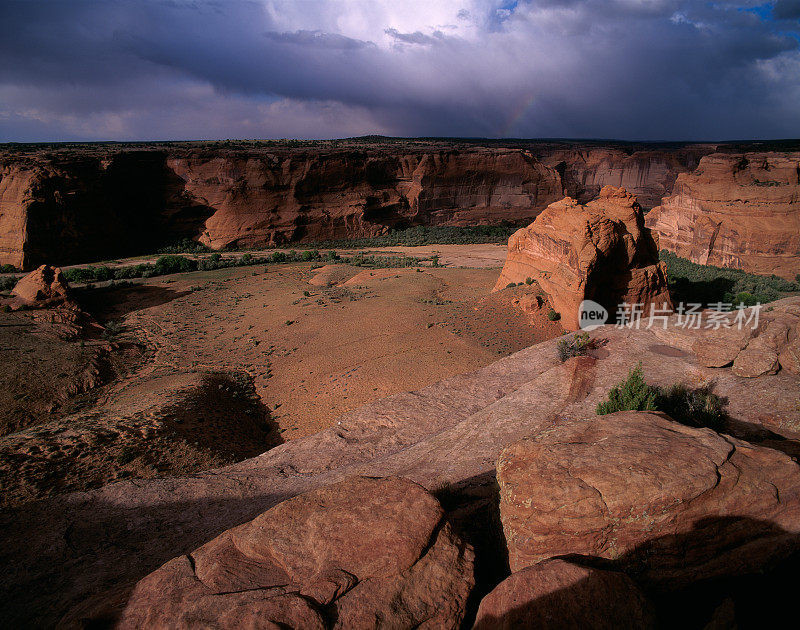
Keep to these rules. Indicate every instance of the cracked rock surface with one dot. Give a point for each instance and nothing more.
(667, 503)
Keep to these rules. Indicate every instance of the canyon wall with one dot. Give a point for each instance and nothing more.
(736, 210)
(648, 174)
(67, 204)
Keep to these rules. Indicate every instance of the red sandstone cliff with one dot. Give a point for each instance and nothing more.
(274, 199)
(600, 251)
(739, 211)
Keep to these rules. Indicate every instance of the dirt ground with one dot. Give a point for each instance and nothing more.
(315, 352)
(198, 370)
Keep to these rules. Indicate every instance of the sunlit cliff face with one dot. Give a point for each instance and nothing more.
(646, 69)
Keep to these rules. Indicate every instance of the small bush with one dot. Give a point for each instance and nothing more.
(699, 407)
(632, 394)
(8, 268)
(578, 346)
(7, 284)
(553, 316)
(528, 280)
(173, 264)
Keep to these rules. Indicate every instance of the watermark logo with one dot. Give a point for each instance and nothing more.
(591, 315)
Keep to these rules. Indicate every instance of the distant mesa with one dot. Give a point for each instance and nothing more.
(736, 210)
(599, 251)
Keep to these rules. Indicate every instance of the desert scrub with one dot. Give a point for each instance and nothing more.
(696, 407)
(632, 394)
(578, 346)
(553, 316)
(705, 284)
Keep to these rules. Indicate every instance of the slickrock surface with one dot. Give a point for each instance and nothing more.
(599, 251)
(361, 553)
(670, 503)
(61, 551)
(740, 211)
(559, 594)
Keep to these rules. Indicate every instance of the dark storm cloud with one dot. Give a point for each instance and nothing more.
(640, 69)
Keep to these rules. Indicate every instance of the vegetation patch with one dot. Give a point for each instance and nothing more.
(691, 283)
(697, 407)
(578, 346)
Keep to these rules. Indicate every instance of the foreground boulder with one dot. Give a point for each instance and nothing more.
(736, 210)
(667, 503)
(361, 553)
(599, 251)
(43, 285)
(559, 594)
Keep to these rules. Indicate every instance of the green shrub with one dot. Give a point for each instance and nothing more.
(173, 264)
(553, 316)
(7, 268)
(578, 346)
(529, 280)
(706, 284)
(699, 407)
(7, 284)
(632, 394)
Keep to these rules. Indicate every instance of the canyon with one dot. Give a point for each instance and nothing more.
(67, 204)
(739, 210)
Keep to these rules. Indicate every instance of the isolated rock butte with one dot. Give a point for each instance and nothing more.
(360, 553)
(599, 251)
(45, 284)
(560, 594)
(739, 211)
(668, 503)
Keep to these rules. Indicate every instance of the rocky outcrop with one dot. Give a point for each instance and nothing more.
(44, 285)
(361, 553)
(671, 504)
(600, 251)
(755, 349)
(560, 594)
(736, 210)
(60, 552)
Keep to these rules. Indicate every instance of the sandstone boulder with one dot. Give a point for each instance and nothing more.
(599, 251)
(43, 285)
(559, 594)
(735, 210)
(667, 503)
(360, 553)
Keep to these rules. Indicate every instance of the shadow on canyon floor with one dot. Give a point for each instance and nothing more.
(113, 302)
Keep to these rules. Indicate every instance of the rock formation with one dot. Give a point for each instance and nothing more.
(82, 204)
(62, 551)
(599, 251)
(648, 173)
(45, 285)
(739, 211)
(362, 553)
(559, 594)
(673, 504)
(754, 350)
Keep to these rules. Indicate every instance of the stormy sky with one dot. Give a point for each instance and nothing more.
(193, 69)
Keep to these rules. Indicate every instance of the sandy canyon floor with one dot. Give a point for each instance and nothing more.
(287, 347)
